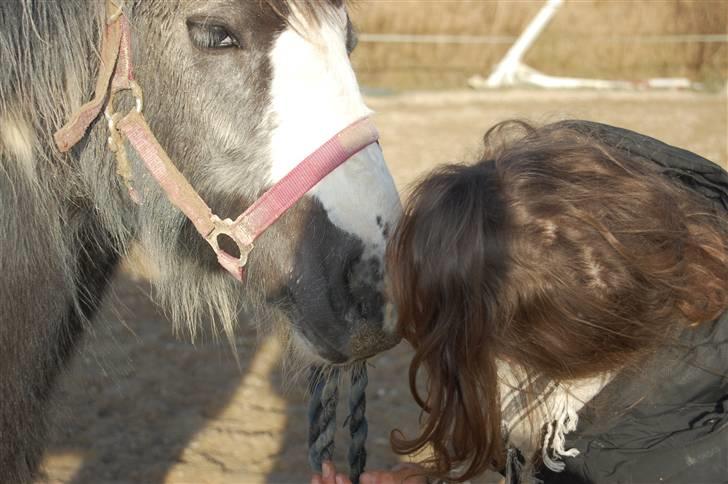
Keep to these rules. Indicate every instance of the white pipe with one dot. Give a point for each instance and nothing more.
(505, 71)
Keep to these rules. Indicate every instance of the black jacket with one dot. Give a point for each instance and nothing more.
(667, 423)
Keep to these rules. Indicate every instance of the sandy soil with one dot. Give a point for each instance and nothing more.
(140, 405)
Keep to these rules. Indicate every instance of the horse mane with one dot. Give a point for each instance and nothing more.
(49, 51)
(311, 11)
(46, 47)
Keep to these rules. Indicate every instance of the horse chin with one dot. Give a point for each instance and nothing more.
(370, 339)
(316, 352)
(310, 346)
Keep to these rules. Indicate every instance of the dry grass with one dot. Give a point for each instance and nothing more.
(587, 38)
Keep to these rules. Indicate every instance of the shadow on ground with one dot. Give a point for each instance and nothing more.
(141, 405)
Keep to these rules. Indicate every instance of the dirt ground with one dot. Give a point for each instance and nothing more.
(141, 406)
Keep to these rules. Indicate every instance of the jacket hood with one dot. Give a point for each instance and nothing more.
(695, 172)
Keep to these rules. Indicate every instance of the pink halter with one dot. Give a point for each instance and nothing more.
(116, 74)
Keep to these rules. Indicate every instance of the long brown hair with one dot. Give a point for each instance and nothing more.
(555, 252)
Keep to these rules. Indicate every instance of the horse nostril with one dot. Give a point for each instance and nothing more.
(368, 301)
(355, 281)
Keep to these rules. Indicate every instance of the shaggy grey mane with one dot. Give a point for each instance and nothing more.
(47, 50)
(50, 53)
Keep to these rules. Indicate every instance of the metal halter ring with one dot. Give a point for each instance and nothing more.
(112, 117)
(136, 91)
(115, 142)
(228, 228)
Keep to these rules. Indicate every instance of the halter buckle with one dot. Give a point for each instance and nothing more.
(115, 141)
(238, 234)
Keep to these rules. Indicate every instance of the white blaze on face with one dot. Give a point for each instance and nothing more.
(314, 96)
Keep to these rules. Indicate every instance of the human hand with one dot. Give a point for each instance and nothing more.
(329, 476)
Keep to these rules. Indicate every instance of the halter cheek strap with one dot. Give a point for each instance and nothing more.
(116, 74)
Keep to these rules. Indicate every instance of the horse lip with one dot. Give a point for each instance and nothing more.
(361, 344)
(388, 345)
(336, 337)
(320, 344)
(379, 349)
(367, 341)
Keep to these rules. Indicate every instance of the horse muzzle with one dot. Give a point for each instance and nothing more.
(339, 307)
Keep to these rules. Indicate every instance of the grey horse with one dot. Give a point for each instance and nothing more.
(237, 92)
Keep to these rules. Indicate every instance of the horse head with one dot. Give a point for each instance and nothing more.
(238, 93)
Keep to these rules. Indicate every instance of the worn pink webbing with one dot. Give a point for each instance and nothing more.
(308, 173)
(169, 178)
(115, 32)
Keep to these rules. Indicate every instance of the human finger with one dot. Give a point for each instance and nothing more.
(328, 473)
(342, 479)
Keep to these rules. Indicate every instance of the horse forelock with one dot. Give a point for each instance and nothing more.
(310, 11)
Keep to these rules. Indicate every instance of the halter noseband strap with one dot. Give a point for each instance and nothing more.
(116, 74)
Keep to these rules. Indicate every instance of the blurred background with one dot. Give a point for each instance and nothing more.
(141, 405)
(431, 44)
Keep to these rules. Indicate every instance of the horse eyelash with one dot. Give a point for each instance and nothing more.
(206, 36)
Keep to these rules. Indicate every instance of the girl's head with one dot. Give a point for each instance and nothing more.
(554, 253)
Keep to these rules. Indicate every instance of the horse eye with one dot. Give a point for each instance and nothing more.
(210, 36)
